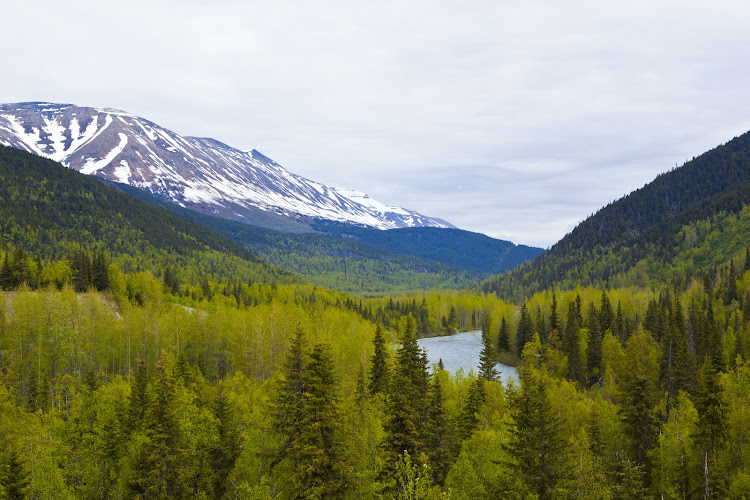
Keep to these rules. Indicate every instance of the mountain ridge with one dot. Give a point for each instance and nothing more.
(200, 173)
(641, 229)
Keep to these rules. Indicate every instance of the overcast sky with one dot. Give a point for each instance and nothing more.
(516, 119)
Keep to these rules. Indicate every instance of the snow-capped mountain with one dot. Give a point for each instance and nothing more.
(198, 173)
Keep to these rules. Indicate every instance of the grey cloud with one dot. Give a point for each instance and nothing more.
(540, 111)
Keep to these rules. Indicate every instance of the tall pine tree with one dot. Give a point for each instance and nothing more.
(379, 369)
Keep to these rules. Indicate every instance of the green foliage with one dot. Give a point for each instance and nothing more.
(536, 448)
(53, 212)
(407, 400)
(487, 358)
(359, 259)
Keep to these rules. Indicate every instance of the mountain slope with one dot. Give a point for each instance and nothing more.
(471, 251)
(53, 211)
(641, 231)
(198, 173)
(340, 261)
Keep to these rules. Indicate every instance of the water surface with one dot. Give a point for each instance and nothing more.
(461, 350)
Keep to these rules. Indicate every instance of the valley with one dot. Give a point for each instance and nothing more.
(149, 350)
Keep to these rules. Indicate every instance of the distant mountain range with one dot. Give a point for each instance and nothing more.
(197, 173)
(359, 259)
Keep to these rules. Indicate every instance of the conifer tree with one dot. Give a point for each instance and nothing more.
(712, 429)
(100, 272)
(159, 476)
(629, 481)
(452, 321)
(206, 288)
(406, 404)
(541, 324)
(503, 337)
(713, 335)
(731, 284)
(523, 333)
(620, 324)
(606, 314)
(21, 273)
(537, 448)
(594, 347)
(6, 274)
(571, 346)
(138, 397)
(469, 417)
(227, 448)
(319, 466)
(16, 478)
(287, 408)
(439, 438)
(747, 259)
(637, 399)
(379, 369)
(553, 322)
(487, 361)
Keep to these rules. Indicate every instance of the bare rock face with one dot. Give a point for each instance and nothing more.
(197, 173)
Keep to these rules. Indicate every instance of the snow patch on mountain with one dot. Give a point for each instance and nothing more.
(199, 173)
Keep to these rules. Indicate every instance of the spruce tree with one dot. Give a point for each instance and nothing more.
(159, 476)
(537, 447)
(439, 437)
(731, 294)
(571, 346)
(487, 361)
(553, 322)
(469, 417)
(227, 448)
(6, 274)
(619, 324)
(503, 337)
(379, 369)
(637, 400)
(594, 347)
(138, 397)
(287, 407)
(21, 273)
(606, 314)
(713, 335)
(319, 466)
(16, 479)
(406, 404)
(523, 333)
(712, 429)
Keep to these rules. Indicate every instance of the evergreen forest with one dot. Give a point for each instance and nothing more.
(144, 355)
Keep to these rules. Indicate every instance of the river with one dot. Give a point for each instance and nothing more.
(461, 350)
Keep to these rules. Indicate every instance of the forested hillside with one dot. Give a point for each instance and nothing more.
(626, 393)
(187, 369)
(471, 251)
(51, 212)
(624, 242)
(364, 260)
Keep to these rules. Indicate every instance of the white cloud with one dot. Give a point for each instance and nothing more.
(540, 111)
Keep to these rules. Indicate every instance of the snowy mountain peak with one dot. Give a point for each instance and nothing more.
(196, 172)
